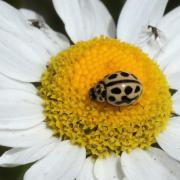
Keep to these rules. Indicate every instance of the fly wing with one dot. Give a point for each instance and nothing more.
(161, 38)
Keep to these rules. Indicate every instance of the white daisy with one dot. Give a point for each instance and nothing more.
(46, 114)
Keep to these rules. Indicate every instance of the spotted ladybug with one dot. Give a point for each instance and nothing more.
(118, 89)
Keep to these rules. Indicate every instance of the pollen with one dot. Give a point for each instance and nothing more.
(100, 127)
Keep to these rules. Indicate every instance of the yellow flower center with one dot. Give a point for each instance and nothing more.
(100, 127)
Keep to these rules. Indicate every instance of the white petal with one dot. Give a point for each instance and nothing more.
(8, 83)
(25, 138)
(14, 22)
(19, 109)
(9, 17)
(108, 168)
(173, 80)
(169, 57)
(64, 163)
(20, 61)
(85, 19)
(173, 66)
(169, 140)
(27, 60)
(172, 62)
(176, 102)
(170, 23)
(59, 40)
(139, 165)
(17, 96)
(151, 51)
(19, 156)
(170, 164)
(135, 15)
(86, 172)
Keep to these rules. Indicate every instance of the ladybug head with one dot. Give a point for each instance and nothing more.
(92, 94)
(98, 92)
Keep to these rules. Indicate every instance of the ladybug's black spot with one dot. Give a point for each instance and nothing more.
(124, 74)
(100, 98)
(98, 91)
(113, 76)
(128, 90)
(137, 89)
(103, 94)
(126, 99)
(118, 102)
(116, 91)
(98, 86)
(111, 98)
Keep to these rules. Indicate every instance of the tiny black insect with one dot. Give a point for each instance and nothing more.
(155, 31)
(35, 23)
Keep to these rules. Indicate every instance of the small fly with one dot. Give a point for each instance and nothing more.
(155, 31)
(35, 23)
(153, 37)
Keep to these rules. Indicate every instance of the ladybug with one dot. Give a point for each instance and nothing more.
(118, 89)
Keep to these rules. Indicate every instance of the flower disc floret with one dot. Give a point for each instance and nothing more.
(99, 127)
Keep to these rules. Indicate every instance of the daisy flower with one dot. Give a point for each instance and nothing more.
(51, 113)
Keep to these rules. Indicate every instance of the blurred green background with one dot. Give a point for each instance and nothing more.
(45, 8)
